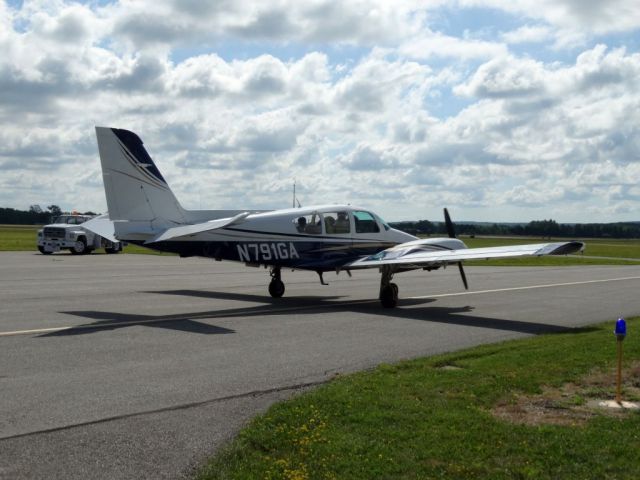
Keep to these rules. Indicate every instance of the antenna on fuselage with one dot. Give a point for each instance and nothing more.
(295, 200)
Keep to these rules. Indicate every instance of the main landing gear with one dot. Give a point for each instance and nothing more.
(388, 290)
(276, 286)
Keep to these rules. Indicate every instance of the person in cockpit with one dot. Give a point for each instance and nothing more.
(301, 224)
(342, 223)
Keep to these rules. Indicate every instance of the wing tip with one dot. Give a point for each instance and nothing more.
(565, 248)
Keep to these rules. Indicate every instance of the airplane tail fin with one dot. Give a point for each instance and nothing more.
(136, 190)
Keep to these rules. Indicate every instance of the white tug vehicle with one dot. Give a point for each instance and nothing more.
(66, 233)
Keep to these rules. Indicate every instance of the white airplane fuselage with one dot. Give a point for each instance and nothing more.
(276, 238)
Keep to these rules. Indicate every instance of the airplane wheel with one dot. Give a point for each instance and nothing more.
(389, 296)
(276, 288)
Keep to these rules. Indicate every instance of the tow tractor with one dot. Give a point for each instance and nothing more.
(66, 233)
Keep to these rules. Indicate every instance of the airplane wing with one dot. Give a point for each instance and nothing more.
(411, 255)
(187, 230)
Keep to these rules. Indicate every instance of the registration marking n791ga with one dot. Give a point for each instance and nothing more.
(258, 252)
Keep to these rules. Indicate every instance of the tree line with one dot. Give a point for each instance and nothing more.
(536, 228)
(34, 216)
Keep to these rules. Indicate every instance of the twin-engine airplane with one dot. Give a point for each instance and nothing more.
(144, 211)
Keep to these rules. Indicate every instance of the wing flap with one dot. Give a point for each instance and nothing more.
(187, 230)
(409, 257)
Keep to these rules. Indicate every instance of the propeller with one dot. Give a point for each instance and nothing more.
(452, 234)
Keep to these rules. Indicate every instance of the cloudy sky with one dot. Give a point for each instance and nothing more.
(502, 110)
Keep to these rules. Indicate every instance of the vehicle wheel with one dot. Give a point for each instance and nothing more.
(389, 296)
(116, 248)
(276, 288)
(80, 247)
(43, 251)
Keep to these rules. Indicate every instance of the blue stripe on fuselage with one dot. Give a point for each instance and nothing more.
(311, 255)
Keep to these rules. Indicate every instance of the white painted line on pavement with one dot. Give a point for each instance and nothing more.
(530, 287)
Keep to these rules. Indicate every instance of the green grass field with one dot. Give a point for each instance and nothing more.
(18, 237)
(516, 410)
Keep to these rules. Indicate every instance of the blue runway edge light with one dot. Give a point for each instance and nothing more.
(621, 327)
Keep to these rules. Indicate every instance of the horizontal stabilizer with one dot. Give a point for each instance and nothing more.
(187, 230)
(407, 255)
(102, 226)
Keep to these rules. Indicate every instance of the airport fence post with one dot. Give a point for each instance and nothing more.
(620, 332)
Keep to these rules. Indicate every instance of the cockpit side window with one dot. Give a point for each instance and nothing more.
(308, 224)
(365, 222)
(337, 222)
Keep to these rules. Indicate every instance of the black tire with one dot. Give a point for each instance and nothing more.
(117, 248)
(276, 288)
(389, 296)
(80, 248)
(43, 251)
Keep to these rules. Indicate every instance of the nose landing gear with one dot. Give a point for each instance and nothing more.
(388, 290)
(276, 286)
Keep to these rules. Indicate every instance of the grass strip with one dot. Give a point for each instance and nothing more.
(17, 238)
(435, 418)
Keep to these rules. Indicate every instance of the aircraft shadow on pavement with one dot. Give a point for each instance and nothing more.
(247, 297)
(410, 309)
(114, 320)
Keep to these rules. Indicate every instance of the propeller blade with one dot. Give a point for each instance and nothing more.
(447, 220)
(452, 234)
(464, 277)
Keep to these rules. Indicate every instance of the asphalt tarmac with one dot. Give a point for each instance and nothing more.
(139, 366)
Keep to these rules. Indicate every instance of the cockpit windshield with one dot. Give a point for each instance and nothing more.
(71, 219)
(382, 222)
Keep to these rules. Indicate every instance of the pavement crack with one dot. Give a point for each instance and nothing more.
(183, 406)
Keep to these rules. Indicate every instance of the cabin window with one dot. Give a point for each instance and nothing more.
(337, 222)
(308, 224)
(365, 222)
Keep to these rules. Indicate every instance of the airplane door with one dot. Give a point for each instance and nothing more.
(338, 230)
